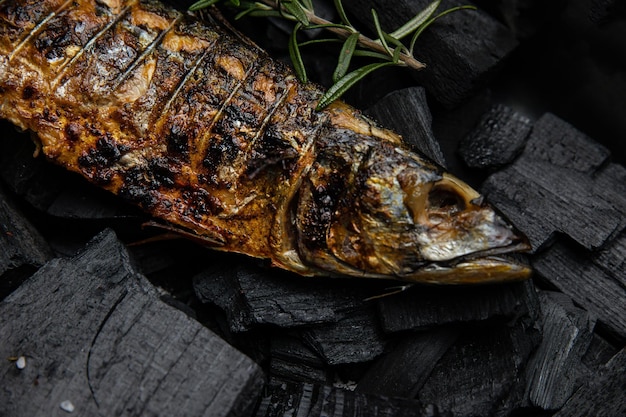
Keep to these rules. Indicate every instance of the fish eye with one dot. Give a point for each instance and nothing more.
(443, 199)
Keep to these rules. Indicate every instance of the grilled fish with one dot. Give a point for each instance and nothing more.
(199, 127)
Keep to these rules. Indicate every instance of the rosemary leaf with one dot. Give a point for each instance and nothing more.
(370, 54)
(201, 4)
(296, 10)
(417, 21)
(308, 4)
(347, 81)
(388, 49)
(342, 13)
(380, 33)
(396, 54)
(254, 12)
(345, 56)
(329, 26)
(314, 41)
(294, 54)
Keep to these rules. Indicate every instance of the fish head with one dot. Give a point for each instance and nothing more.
(402, 217)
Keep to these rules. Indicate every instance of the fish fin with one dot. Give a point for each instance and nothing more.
(391, 291)
(213, 239)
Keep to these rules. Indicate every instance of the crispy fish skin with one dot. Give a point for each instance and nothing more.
(203, 130)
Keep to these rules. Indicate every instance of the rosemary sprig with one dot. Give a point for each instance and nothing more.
(387, 50)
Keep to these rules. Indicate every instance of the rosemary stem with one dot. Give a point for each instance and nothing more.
(364, 41)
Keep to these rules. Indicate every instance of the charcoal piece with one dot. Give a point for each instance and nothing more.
(542, 199)
(218, 285)
(497, 139)
(407, 112)
(460, 50)
(612, 258)
(603, 395)
(401, 372)
(555, 141)
(554, 370)
(293, 361)
(356, 337)
(290, 399)
(600, 351)
(478, 374)
(590, 286)
(96, 335)
(424, 307)
(252, 295)
(22, 249)
(560, 184)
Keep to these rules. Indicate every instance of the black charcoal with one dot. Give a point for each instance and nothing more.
(555, 141)
(291, 360)
(218, 285)
(97, 337)
(591, 287)
(550, 188)
(478, 374)
(357, 337)
(289, 399)
(22, 249)
(603, 395)
(461, 50)
(401, 372)
(600, 351)
(497, 140)
(423, 307)
(407, 112)
(612, 258)
(251, 294)
(554, 370)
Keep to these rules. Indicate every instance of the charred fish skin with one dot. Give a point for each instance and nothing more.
(209, 134)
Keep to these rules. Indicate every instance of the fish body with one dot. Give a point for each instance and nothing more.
(200, 128)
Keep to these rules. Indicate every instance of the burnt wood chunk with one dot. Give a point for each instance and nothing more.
(355, 338)
(251, 295)
(600, 351)
(593, 288)
(291, 360)
(289, 399)
(560, 184)
(555, 141)
(553, 371)
(97, 339)
(22, 249)
(497, 140)
(603, 394)
(425, 307)
(407, 110)
(461, 50)
(612, 259)
(481, 371)
(402, 371)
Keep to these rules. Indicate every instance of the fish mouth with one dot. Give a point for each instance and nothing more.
(495, 265)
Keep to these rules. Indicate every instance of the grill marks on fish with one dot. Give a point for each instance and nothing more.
(208, 133)
(34, 31)
(133, 72)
